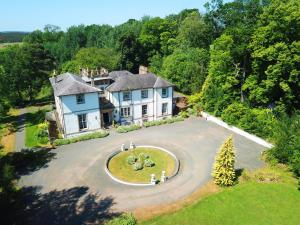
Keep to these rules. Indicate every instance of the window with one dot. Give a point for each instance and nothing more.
(80, 99)
(144, 110)
(144, 93)
(125, 112)
(126, 96)
(164, 108)
(164, 92)
(82, 121)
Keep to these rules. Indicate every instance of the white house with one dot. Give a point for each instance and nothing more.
(88, 103)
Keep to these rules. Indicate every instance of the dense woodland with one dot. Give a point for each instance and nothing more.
(239, 61)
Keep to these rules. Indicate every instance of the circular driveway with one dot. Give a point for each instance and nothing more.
(194, 141)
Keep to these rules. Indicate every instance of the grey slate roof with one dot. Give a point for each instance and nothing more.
(126, 82)
(117, 74)
(70, 84)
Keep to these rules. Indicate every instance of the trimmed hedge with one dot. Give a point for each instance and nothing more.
(165, 121)
(124, 219)
(128, 128)
(84, 137)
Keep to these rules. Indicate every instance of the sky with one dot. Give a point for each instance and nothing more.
(29, 15)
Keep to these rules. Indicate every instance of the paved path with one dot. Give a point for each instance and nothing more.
(20, 134)
(194, 141)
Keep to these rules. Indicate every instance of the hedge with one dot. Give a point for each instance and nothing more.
(128, 128)
(165, 121)
(99, 134)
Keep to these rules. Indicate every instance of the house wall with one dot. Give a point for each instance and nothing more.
(153, 102)
(71, 110)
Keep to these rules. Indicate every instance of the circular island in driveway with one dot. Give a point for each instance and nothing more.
(142, 166)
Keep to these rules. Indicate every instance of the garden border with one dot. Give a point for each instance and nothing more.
(177, 166)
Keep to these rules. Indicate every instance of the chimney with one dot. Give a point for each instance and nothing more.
(143, 69)
(92, 80)
(54, 76)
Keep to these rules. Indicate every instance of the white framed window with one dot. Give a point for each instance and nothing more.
(126, 96)
(144, 93)
(82, 121)
(125, 112)
(164, 109)
(164, 92)
(80, 99)
(144, 110)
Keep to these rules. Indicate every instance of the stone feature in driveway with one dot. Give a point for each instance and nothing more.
(194, 141)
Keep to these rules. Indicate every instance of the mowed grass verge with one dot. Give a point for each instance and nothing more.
(256, 200)
(8, 127)
(119, 167)
(34, 116)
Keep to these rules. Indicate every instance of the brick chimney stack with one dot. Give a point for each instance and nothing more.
(143, 69)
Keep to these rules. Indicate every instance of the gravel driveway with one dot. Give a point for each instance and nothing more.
(194, 141)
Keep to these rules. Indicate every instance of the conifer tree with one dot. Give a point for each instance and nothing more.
(223, 169)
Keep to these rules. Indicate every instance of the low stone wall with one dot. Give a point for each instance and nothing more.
(245, 134)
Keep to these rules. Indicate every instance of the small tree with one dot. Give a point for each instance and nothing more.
(223, 170)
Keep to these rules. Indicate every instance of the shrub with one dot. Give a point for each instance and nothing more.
(148, 163)
(223, 170)
(143, 156)
(42, 133)
(184, 114)
(165, 121)
(128, 128)
(137, 166)
(124, 219)
(99, 134)
(131, 159)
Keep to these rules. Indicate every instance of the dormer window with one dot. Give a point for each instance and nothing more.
(80, 99)
(164, 92)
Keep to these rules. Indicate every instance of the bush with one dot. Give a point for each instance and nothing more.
(148, 163)
(223, 169)
(184, 114)
(165, 121)
(131, 159)
(99, 134)
(257, 121)
(137, 166)
(128, 128)
(42, 133)
(125, 219)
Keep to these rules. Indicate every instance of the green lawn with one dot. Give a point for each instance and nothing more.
(250, 202)
(119, 167)
(34, 116)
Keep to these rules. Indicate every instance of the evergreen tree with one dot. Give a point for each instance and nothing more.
(223, 170)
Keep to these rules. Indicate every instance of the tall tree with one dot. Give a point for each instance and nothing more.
(187, 69)
(93, 58)
(221, 87)
(276, 64)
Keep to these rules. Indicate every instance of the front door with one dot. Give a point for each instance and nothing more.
(106, 118)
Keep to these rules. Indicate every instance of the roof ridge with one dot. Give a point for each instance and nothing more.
(84, 83)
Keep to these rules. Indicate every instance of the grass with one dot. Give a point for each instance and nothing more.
(119, 167)
(8, 126)
(266, 196)
(34, 116)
